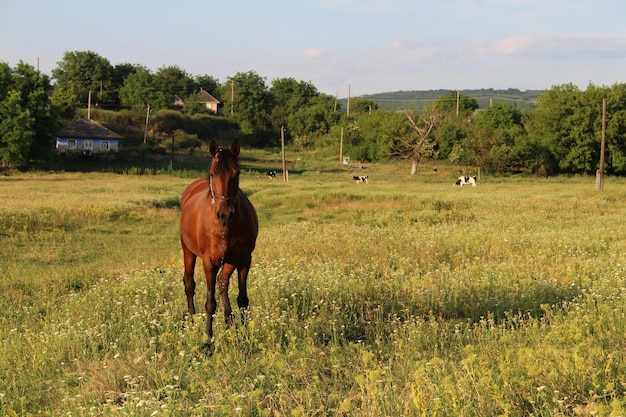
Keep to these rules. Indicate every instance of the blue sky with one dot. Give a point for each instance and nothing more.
(361, 46)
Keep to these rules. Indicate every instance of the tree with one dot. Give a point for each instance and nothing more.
(452, 128)
(209, 84)
(5, 79)
(34, 87)
(16, 130)
(289, 96)
(567, 123)
(250, 105)
(119, 74)
(494, 134)
(139, 90)
(616, 129)
(500, 116)
(172, 81)
(419, 145)
(27, 124)
(82, 72)
(379, 131)
(313, 120)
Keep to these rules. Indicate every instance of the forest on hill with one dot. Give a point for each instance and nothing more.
(420, 100)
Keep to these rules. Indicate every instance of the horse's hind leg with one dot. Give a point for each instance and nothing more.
(190, 283)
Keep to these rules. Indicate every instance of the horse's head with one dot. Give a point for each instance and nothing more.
(224, 180)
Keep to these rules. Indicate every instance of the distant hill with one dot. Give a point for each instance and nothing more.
(419, 100)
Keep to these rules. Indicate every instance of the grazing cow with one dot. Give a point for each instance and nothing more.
(465, 181)
(271, 174)
(360, 178)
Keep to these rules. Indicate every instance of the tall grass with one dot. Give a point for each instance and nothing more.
(406, 296)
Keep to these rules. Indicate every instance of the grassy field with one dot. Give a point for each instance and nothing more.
(405, 296)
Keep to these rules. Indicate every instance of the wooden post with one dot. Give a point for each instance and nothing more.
(89, 106)
(282, 144)
(341, 147)
(600, 172)
(172, 156)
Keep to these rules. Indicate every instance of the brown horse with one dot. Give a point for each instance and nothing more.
(218, 224)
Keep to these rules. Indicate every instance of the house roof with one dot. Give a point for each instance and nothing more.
(88, 129)
(206, 97)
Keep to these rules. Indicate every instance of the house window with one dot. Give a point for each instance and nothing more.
(104, 145)
(71, 144)
(88, 145)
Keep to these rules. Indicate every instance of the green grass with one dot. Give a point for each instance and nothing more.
(405, 296)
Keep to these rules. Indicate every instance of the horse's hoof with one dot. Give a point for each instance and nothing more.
(208, 348)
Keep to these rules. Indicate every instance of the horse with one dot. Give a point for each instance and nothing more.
(218, 224)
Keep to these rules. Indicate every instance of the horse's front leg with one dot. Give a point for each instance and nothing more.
(242, 298)
(223, 282)
(210, 271)
(188, 280)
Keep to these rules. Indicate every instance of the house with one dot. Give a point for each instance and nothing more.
(85, 135)
(210, 102)
(203, 97)
(178, 101)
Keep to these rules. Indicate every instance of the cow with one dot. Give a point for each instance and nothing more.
(466, 181)
(271, 174)
(360, 178)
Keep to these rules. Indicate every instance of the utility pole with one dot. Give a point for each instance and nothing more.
(145, 129)
(232, 96)
(89, 106)
(282, 143)
(600, 172)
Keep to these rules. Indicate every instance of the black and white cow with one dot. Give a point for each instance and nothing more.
(465, 181)
(360, 178)
(271, 174)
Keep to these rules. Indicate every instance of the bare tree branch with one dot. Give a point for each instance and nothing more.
(416, 148)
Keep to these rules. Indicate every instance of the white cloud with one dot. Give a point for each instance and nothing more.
(316, 52)
(573, 46)
(514, 44)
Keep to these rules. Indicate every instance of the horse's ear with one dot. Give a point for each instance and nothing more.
(214, 148)
(235, 148)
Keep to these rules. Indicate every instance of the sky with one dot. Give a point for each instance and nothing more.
(343, 47)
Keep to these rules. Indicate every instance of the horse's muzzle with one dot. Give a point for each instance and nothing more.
(225, 215)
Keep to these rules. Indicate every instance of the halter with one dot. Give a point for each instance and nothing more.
(215, 197)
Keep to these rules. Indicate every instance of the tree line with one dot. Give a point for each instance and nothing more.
(561, 134)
